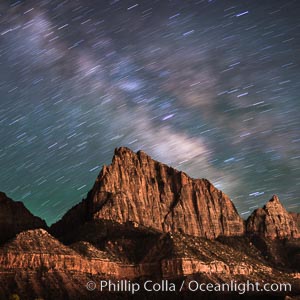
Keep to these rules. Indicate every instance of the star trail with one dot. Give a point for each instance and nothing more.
(208, 87)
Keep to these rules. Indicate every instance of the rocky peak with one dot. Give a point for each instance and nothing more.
(272, 221)
(15, 218)
(124, 151)
(136, 188)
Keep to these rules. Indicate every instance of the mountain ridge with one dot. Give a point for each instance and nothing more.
(135, 183)
(192, 232)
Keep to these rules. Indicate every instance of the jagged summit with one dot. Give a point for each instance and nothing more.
(274, 199)
(136, 188)
(123, 150)
(272, 221)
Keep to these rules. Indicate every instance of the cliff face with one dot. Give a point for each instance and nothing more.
(145, 220)
(139, 189)
(38, 250)
(296, 217)
(36, 265)
(171, 256)
(272, 221)
(15, 217)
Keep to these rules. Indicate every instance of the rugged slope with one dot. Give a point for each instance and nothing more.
(15, 218)
(35, 264)
(296, 217)
(272, 221)
(145, 220)
(138, 189)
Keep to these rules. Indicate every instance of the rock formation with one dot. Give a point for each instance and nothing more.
(15, 218)
(35, 264)
(296, 217)
(145, 220)
(136, 188)
(272, 221)
(36, 249)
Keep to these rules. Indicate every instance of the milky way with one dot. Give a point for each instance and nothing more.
(208, 87)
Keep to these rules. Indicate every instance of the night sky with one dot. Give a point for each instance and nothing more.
(209, 87)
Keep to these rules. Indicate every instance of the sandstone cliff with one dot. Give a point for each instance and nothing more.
(296, 217)
(15, 217)
(38, 250)
(135, 188)
(39, 265)
(272, 221)
(143, 219)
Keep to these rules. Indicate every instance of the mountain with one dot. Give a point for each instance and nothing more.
(273, 221)
(144, 220)
(138, 189)
(15, 218)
